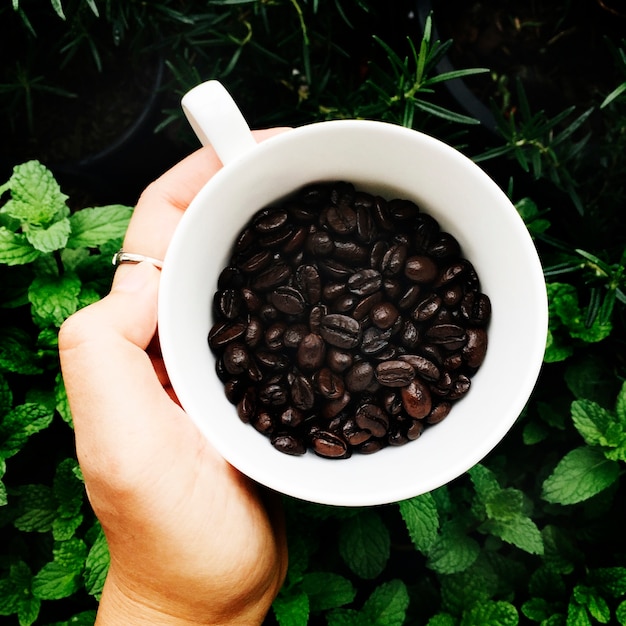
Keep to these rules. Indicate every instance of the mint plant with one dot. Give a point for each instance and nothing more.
(52, 262)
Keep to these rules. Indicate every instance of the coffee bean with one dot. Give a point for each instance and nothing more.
(236, 358)
(384, 315)
(329, 384)
(335, 406)
(341, 219)
(359, 377)
(395, 373)
(228, 303)
(311, 352)
(302, 393)
(476, 308)
(276, 274)
(394, 259)
(319, 244)
(448, 336)
(256, 262)
(254, 332)
(288, 444)
(341, 331)
(274, 336)
(438, 412)
(291, 417)
(329, 445)
(416, 399)
(263, 421)
(338, 360)
(273, 392)
(475, 349)
(423, 367)
(223, 333)
(287, 300)
(420, 269)
(309, 283)
(365, 282)
(371, 417)
(353, 434)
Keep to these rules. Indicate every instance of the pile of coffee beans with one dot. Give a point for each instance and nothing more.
(345, 322)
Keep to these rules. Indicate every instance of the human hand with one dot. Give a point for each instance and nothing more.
(192, 541)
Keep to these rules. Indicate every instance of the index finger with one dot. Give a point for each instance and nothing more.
(164, 201)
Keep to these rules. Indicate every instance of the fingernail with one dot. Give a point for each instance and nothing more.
(134, 278)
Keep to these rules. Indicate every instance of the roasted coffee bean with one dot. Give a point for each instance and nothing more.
(426, 229)
(394, 373)
(234, 389)
(384, 315)
(230, 278)
(335, 270)
(273, 392)
(288, 443)
(420, 269)
(381, 214)
(396, 437)
(228, 303)
(263, 421)
(416, 399)
(451, 295)
(365, 227)
(254, 332)
(302, 393)
(251, 300)
(274, 361)
(331, 291)
(371, 417)
(320, 244)
(335, 406)
(393, 288)
(394, 259)
(255, 262)
(341, 331)
(402, 210)
(276, 274)
(365, 304)
(345, 303)
(287, 300)
(329, 445)
(438, 412)
(291, 417)
(423, 367)
(475, 349)
(338, 360)
(340, 218)
(392, 402)
(293, 335)
(246, 408)
(276, 238)
(268, 313)
(309, 283)
(223, 333)
(377, 253)
(375, 341)
(274, 336)
(269, 220)
(410, 336)
(460, 386)
(370, 446)
(329, 384)
(311, 352)
(476, 308)
(426, 308)
(236, 358)
(444, 246)
(294, 243)
(315, 317)
(410, 297)
(350, 251)
(448, 336)
(415, 429)
(354, 435)
(365, 282)
(359, 377)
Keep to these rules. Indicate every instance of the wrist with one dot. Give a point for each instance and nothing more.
(120, 606)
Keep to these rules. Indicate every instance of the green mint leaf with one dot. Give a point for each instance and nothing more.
(62, 404)
(442, 619)
(620, 405)
(97, 565)
(69, 493)
(63, 575)
(16, 353)
(485, 482)
(421, 519)
(609, 580)
(453, 551)
(37, 507)
(504, 505)
(6, 396)
(54, 298)
(51, 238)
(620, 613)
(345, 617)
(491, 613)
(9, 597)
(95, 226)
(4, 500)
(327, 590)
(15, 249)
(19, 424)
(387, 605)
(291, 607)
(581, 474)
(519, 531)
(589, 377)
(36, 196)
(364, 544)
(476, 584)
(591, 421)
(28, 610)
(85, 618)
(556, 349)
(537, 609)
(594, 603)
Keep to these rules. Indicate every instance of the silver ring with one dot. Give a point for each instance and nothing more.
(122, 256)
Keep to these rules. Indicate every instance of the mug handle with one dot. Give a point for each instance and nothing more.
(217, 120)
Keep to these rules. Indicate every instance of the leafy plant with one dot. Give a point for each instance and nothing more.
(52, 261)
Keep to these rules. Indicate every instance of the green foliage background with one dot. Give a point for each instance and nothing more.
(534, 533)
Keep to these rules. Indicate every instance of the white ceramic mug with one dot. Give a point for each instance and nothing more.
(393, 162)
